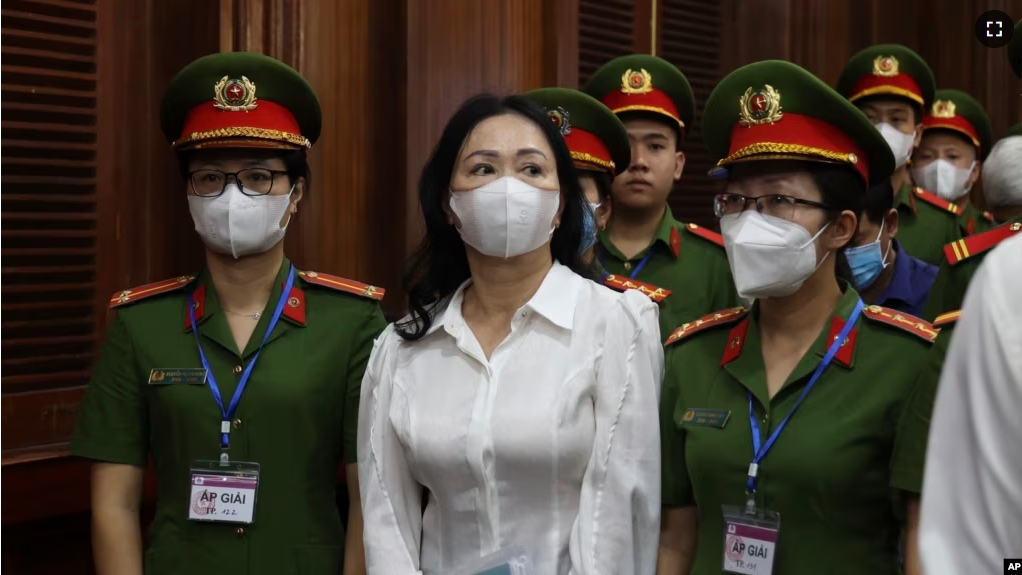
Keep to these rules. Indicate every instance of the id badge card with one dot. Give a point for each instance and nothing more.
(223, 493)
(750, 541)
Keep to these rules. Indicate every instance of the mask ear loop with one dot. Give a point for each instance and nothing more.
(971, 168)
(883, 260)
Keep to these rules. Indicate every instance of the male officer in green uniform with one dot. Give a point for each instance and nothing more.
(893, 86)
(949, 159)
(643, 241)
(240, 383)
(859, 437)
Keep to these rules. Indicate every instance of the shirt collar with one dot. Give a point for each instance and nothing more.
(668, 225)
(554, 300)
(900, 287)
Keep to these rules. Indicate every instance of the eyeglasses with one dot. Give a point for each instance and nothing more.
(776, 205)
(252, 181)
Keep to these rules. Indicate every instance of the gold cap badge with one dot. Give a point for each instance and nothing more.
(559, 116)
(943, 109)
(885, 66)
(233, 95)
(633, 82)
(761, 106)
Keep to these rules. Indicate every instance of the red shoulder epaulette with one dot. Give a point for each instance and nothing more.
(342, 284)
(936, 200)
(959, 250)
(621, 283)
(909, 323)
(706, 234)
(156, 288)
(725, 317)
(947, 318)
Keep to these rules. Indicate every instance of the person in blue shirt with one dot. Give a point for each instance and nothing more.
(884, 274)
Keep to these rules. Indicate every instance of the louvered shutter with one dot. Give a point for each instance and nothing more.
(49, 210)
(606, 30)
(690, 38)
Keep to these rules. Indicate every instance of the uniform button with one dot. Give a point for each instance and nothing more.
(240, 531)
(238, 369)
(628, 265)
(237, 424)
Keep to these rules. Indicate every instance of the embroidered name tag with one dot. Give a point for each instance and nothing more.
(187, 376)
(706, 417)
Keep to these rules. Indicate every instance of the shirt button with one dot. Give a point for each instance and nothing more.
(628, 265)
(240, 531)
(238, 369)
(237, 424)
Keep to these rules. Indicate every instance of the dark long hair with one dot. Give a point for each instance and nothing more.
(439, 265)
(842, 189)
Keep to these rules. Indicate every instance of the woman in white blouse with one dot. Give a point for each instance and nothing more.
(516, 407)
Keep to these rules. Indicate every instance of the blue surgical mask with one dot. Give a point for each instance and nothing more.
(867, 262)
(588, 228)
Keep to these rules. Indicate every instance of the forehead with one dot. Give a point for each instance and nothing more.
(885, 105)
(780, 177)
(505, 133)
(242, 157)
(944, 139)
(639, 127)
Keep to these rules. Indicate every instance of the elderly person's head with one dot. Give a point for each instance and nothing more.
(1002, 179)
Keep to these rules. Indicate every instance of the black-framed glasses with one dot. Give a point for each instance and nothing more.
(252, 181)
(776, 205)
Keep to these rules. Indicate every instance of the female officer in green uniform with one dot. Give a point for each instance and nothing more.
(792, 433)
(241, 383)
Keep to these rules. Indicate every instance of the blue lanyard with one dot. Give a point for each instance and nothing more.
(227, 414)
(760, 451)
(638, 267)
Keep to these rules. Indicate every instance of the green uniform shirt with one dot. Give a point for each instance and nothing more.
(297, 419)
(837, 471)
(699, 276)
(948, 291)
(923, 228)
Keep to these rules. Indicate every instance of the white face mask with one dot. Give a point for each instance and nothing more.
(944, 179)
(237, 224)
(901, 144)
(506, 218)
(769, 256)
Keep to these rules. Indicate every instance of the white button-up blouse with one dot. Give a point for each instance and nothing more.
(551, 445)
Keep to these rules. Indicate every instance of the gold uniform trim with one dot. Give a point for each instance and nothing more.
(587, 158)
(888, 90)
(961, 249)
(255, 133)
(642, 108)
(789, 150)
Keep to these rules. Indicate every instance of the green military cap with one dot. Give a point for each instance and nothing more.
(955, 110)
(240, 99)
(596, 137)
(1014, 130)
(644, 83)
(889, 70)
(774, 110)
(1015, 50)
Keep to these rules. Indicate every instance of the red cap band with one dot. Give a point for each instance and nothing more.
(898, 85)
(797, 135)
(269, 121)
(957, 123)
(585, 147)
(655, 101)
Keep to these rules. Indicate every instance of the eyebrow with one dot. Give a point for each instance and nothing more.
(519, 153)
